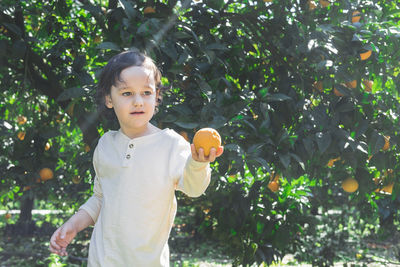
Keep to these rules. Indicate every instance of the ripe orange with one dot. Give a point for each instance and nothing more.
(368, 85)
(337, 92)
(351, 84)
(387, 143)
(149, 10)
(311, 5)
(7, 216)
(87, 148)
(47, 147)
(350, 185)
(331, 162)
(365, 55)
(206, 138)
(21, 136)
(388, 188)
(324, 3)
(273, 186)
(318, 85)
(184, 135)
(356, 17)
(21, 120)
(46, 174)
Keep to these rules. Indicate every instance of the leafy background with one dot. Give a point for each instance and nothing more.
(275, 78)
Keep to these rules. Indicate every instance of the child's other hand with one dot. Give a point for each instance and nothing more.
(61, 238)
(214, 153)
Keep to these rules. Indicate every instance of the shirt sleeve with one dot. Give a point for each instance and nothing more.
(93, 204)
(192, 177)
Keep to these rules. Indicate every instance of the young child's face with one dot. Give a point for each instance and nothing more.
(134, 98)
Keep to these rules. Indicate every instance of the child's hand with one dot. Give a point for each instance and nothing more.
(61, 239)
(214, 153)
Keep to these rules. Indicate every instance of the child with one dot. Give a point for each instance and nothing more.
(138, 168)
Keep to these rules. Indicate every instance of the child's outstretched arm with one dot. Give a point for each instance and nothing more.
(199, 156)
(63, 236)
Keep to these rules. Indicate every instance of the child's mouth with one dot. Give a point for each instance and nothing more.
(137, 113)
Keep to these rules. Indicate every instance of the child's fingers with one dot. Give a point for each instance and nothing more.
(212, 155)
(220, 151)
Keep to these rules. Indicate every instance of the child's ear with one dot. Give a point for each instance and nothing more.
(108, 101)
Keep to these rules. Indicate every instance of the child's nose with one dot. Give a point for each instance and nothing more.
(137, 100)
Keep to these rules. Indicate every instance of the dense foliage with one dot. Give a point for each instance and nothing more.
(304, 93)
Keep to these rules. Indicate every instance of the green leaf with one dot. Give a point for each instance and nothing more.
(323, 141)
(278, 97)
(109, 45)
(187, 125)
(73, 92)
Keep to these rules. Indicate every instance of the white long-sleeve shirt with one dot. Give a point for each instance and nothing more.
(133, 204)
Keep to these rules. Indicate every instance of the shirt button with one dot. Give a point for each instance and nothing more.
(128, 156)
(130, 145)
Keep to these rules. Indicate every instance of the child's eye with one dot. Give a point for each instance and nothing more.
(126, 93)
(147, 92)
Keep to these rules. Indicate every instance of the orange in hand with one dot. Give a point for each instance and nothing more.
(206, 138)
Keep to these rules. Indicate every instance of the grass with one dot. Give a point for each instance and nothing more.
(185, 250)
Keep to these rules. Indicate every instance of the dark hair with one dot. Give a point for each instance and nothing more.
(111, 75)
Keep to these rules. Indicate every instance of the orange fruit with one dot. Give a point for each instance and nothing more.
(356, 16)
(388, 188)
(387, 143)
(324, 3)
(206, 138)
(365, 55)
(184, 135)
(149, 10)
(47, 147)
(368, 85)
(318, 85)
(76, 179)
(311, 5)
(337, 92)
(7, 216)
(331, 162)
(21, 136)
(46, 174)
(274, 177)
(87, 148)
(22, 120)
(273, 186)
(350, 185)
(352, 84)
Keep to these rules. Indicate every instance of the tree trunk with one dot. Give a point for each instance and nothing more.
(25, 225)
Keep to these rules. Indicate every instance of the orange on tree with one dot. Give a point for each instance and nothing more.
(206, 138)
(311, 5)
(368, 85)
(331, 162)
(21, 135)
(387, 143)
(46, 174)
(365, 55)
(184, 135)
(324, 3)
(350, 185)
(149, 10)
(7, 216)
(318, 85)
(87, 148)
(351, 84)
(21, 120)
(337, 92)
(273, 186)
(47, 147)
(356, 16)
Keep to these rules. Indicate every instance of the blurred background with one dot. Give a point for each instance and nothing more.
(305, 95)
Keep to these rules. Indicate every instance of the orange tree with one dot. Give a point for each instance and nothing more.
(304, 94)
